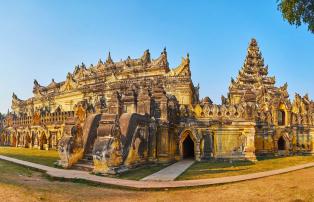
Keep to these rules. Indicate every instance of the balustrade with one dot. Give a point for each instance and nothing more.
(49, 118)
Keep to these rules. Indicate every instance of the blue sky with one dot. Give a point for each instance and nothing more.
(46, 39)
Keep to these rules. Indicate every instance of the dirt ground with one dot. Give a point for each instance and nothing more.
(32, 186)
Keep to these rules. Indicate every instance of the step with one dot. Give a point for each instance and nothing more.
(84, 167)
(85, 161)
(88, 156)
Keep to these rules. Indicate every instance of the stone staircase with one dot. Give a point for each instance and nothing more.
(85, 164)
(89, 134)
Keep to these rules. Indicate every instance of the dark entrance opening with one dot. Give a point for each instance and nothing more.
(188, 147)
(281, 118)
(281, 144)
(43, 141)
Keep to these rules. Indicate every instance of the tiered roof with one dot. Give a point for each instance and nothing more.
(253, 74)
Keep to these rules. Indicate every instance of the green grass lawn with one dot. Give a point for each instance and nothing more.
(141, 172)
(8, 168)
(48, 158)
(43, 157)
(199, 170)
(214, 169)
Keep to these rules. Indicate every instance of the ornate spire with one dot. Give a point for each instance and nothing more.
(253, 73)
(254, 61)
(109, 59)
(188, 58)
(36, 83)
(183, 69)
(69, 76)
(164, 51)
(146, 57)
(252, 78)
(83, 66)
(100, 61)
(14, 96)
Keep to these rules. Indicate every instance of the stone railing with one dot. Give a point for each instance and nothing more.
(50, 118)
(214, 111)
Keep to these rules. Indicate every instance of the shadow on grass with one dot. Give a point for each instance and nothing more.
(219, 168)
(221, 164)
(141, 172)
(208, 171)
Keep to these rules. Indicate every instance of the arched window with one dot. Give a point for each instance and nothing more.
(281, 118)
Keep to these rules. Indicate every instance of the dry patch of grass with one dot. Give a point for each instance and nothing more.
(214, 169)
(20, 184)
(43, 157)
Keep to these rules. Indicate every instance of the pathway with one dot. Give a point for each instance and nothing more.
(74, 174)
(171, 172)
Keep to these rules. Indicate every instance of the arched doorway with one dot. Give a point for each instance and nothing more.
(43, 142)
(18, 139)
(188, 147)
(281, 143)
(27, 141)
(13, 143)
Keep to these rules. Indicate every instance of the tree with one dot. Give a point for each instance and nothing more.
(297, 12)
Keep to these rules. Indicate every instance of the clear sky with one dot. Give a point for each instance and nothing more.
(46, 39)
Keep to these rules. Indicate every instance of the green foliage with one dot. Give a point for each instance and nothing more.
(297, 12)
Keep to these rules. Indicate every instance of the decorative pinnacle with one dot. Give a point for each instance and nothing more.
(109, 59)
(164, 51)
(83, 65)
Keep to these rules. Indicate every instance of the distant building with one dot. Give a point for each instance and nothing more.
(117, 115)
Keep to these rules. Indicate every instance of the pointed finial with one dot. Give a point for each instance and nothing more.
(253, 42)
(36, 82)
(69, 76)
(109, 59)
(164, 52)
(14, 96)
(146, 56)
(187, 55)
